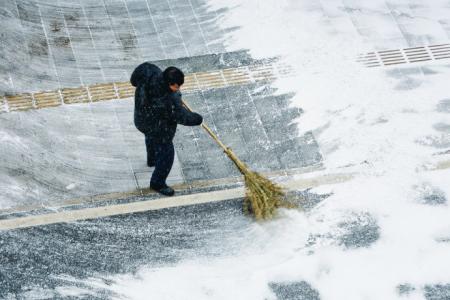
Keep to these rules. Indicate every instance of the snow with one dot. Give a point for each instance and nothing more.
(382, 121)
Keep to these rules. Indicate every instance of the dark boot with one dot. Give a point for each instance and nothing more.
(165, 190)
(164, 156)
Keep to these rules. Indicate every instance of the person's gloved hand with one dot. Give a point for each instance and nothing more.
(197, 119)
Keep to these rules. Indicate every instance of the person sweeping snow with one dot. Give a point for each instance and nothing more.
(157, 111)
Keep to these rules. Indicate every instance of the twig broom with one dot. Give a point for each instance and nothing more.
(262, 197)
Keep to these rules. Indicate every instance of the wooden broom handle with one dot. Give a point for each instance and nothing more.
(210, 132)
(239, 164)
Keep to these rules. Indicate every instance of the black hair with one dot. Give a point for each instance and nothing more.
(173, 75)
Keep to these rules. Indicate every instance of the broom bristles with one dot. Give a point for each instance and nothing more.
(262, 196)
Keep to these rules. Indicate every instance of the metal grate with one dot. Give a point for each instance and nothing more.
(405, 55)
(440, 51)
(122, 90)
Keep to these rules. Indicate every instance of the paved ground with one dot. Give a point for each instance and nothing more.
(47, 260)
(164, 237)
(48, 45)
(50, 155)
(69, 43)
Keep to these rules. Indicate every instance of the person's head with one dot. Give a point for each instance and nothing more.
(174, 78)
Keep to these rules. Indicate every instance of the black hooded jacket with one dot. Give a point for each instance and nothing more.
(157, 110)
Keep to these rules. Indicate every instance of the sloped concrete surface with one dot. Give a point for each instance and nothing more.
(48, 45)
(51, 155)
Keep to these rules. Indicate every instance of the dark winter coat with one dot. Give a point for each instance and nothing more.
(157, 110)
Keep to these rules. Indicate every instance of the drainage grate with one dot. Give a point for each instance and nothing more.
(405, 55)
(121, 90)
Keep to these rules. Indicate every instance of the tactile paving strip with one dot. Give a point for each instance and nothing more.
(47, 99)
(3, 105)
(102, 92)
(75, 95)
(20, 102)
(236, 76)
(405, 55)
(122, 90)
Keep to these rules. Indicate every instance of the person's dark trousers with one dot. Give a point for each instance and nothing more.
(150, 151)
(163, 154)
